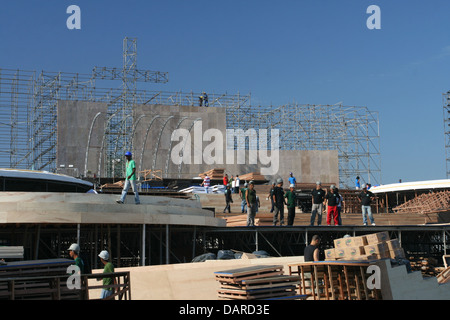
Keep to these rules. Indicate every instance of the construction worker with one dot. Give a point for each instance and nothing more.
(205, 99)
(332, 200)
(271, 197)
(242, 193)
(109, 268)
(228, 199)
(317, 198)
(74, 252)
(311, 252)
(365, 197)
(290, 196)
(280, 202)
(292, 179)
(250, 199)
(130, 180)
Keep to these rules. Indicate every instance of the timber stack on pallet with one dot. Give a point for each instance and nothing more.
(213, 174)
(252, 176)
(426, 203)
(257, 282)
(261, 219)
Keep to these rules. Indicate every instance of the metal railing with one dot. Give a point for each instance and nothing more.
(58, 288)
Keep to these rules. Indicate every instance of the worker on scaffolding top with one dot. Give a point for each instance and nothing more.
(203, 99)
(130, 180)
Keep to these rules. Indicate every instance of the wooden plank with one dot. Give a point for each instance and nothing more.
(254, 272)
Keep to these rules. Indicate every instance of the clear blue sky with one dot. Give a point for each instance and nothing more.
(310, 51)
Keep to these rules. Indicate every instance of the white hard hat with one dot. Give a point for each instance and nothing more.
(104, 255)
(279, 180)
(292, 185)
(74, 247)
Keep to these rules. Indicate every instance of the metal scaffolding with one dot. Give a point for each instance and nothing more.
(352, 131)
(446, 113)
(28, 109)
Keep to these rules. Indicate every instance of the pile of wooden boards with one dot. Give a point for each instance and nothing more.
(213, 174)
(257, 282)
(261, 219)
(116, 185)
(444, 276)
(366, 248)
(11, 252)
(252, 176)
(426, 203)
(426, 265)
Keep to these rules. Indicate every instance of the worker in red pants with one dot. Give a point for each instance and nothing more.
(332, 201)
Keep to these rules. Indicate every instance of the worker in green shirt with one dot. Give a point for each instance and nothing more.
(130, 180)
(109, 268)
(290, 196)
(74, 252)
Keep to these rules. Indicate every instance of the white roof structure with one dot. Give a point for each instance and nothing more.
(410, 186)
(41, 175)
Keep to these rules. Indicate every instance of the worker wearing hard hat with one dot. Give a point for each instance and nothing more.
(130, 180)
(74, 252)
(290, 196)
(278, 199)
(109, 268)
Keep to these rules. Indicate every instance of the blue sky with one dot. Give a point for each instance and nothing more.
(308, 51)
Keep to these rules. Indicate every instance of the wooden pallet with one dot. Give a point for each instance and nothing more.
(257, 282)
(263, 293)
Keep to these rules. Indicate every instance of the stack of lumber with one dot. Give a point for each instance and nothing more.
(118, 185)
(366, 248)
(426, 203)
(444, 276)
(426, 265)
(261, 219)
(11, 252)
(257, 282)
(252, 176)
(213, 174)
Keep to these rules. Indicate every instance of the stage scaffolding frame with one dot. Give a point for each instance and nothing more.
(446, 117)
(28, 107)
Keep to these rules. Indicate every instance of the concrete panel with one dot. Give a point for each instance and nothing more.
(152, 143)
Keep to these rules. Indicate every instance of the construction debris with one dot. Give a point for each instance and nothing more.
(426, 203)
(258, 282)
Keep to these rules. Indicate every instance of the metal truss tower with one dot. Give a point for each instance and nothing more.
(446, 114)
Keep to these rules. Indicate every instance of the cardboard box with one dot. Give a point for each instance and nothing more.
(367, 257)
(378, 248)
(359, 241)
(350, 242)
(377, 237)
(397, 254)
(351, 252)
(393, 244)
(339, 243)
(339, 253)
(330, 254)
